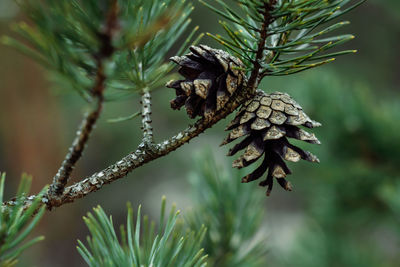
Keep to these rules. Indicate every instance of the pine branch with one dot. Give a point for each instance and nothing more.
(75, 151)
(146, 118)
(82, 136)
(79, 49)
(142, 155)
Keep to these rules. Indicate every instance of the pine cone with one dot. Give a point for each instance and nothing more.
(268, 120)
(211, 77)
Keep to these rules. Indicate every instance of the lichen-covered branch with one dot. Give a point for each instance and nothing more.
(75, 152)
(143, 154)
(146, 118)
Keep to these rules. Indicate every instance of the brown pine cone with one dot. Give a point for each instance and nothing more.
(267, 121)
(211, 77)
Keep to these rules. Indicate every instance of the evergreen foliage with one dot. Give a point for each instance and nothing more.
(295, 32)
(140, 244)
(71, 37)
(16, 223)
(234, 236)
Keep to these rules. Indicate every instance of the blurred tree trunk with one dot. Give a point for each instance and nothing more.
(29, 119)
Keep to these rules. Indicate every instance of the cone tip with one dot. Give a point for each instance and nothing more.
(245, 179)
(288, 186)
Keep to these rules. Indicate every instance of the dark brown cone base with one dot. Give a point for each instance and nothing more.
(211, 78)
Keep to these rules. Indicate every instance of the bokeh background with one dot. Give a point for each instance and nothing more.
(343, 212)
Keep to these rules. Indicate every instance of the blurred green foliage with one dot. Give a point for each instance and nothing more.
(17, 222)
(351, 215)
(232, 213)
(391, 6)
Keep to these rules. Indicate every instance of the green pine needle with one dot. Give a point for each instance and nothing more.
(16, 222)
(67, 37)
(127, 118)
(140, 245)
(294, 31)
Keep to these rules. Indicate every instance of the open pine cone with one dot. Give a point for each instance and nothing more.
(211, 77)
(268, 120)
